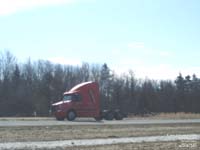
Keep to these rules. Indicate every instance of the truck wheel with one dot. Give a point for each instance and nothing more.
(109, 116)
(118, 116)
(98, 118)
(71, 115)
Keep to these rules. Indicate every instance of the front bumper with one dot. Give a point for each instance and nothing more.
(59, 114)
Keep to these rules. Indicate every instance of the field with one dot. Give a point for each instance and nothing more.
(179, 115)
(79, 130)
(52, 133)
(178, 145)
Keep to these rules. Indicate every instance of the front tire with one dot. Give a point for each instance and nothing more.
(71, 115)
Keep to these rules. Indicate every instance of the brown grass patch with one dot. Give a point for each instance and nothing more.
(51, 133)
(179, 115)
(178, 145)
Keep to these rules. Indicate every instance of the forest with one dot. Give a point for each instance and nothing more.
(30, 87)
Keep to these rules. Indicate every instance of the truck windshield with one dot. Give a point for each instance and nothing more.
(71, 97)
(67, 97)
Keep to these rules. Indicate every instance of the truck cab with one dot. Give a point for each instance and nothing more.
(81, 101)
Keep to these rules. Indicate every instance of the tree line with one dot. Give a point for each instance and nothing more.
(32, 86)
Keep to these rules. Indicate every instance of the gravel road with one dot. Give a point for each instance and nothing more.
(51, 121)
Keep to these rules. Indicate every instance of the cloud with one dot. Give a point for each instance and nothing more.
(142, 49)
(136, 45)
(190, 71)
(159, 72)
(147, 62)
(115, 52)
(64, 61)
(156, 72)
(165, 53)
(8, 7)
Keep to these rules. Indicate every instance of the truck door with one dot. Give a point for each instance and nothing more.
(91, 103)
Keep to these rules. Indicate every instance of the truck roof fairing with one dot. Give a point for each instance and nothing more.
(78, 87)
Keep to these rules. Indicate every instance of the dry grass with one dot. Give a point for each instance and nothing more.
(67, 132)
(179, 115)
(178, 145)
(51, 133)
(25, 118)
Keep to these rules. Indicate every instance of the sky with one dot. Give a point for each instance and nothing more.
(157, 39)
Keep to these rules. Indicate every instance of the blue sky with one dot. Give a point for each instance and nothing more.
(155, 38)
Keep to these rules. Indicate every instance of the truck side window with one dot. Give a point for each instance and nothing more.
(92, 97)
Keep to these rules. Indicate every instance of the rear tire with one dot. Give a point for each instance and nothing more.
(109, 116)
(98, 118)
(118, 116)
(71, 115)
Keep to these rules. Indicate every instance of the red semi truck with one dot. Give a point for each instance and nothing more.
(83, 100)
